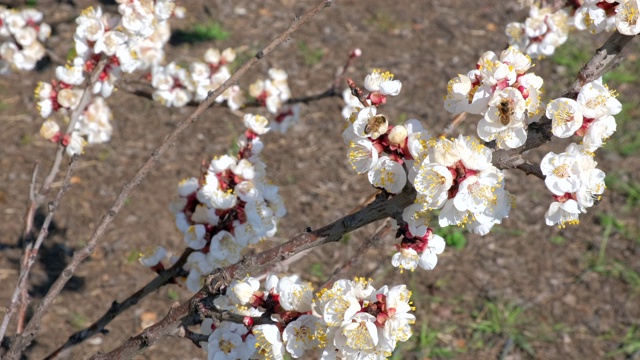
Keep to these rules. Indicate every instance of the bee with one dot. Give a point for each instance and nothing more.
(376, 126)
(505, 111)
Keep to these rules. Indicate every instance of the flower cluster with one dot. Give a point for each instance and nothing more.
(23, 32)
(575, 182)
(571, 176)
(375, 146)
(541, 33)
(351, 320)
(501, 90)
(176, 86)
(547, 28)
(417, 251)
(457, 177)
(105, 48)
(231, 206)
(589, 116)
(597, 16)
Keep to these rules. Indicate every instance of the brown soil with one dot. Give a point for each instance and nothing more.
(575, 305)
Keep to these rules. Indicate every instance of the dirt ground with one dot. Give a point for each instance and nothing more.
(526, 290)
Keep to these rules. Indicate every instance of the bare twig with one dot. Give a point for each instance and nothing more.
(21, 341)
(30, 259)
(36, 199)
(217, 282)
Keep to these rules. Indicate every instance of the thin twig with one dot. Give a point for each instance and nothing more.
(31, 330)
(30, 259)
(35, 200)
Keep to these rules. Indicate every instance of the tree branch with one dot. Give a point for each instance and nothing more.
(216, 283)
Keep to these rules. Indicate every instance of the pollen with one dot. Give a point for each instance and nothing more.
(562, 171)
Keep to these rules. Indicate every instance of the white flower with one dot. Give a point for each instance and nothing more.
(562, 213)
(388, 174)
(626, 19)
(416, 218)
(597, 100)
(305, 333)
(90, 24)
(383, 83)
(194, 237)
(504, 121)
(359, 334)
(591, 17)
(494, 72)
(268, 342)
(514, 57)
(71, 74)
(293, 295)
(598, 131)
(110, 42)
(95, 122)
(151, 259)
(76, 144)
(222, 163)
(49, 129)
(224, 246)
(241, 291)
(559, 171)
(476, 192)
(351, 103)
(429, 257)
(256, 123)
(216, 198)
(463, 95)
(186, 187)
(433, 182)
(565, 115)
(226, 342)
(138, 17)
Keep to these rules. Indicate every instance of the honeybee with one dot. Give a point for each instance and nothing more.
(505, 111)
(376, 126)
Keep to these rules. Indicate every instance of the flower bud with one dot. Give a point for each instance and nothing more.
(398, 135)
